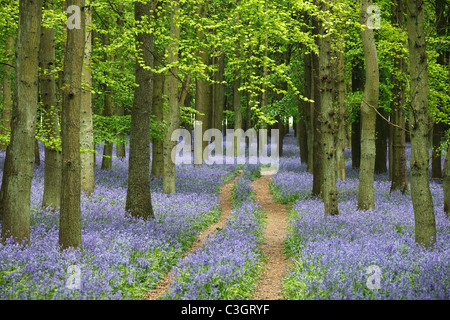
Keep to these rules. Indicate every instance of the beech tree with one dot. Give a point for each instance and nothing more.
(70, 212)
(172, 92)
(366, 198)
(138, 201)
(18, 168)
(329, 190)
(425, 223)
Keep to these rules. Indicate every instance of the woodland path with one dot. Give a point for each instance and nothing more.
(270, 285)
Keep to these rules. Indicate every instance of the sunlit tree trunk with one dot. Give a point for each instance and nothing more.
(70, 213)
(366, 197)
(18, 168)
(425, 223)
(173, 102)
(86, 125)
(329, 190)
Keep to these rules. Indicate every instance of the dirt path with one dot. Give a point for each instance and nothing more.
(269, 287)
(225, 203)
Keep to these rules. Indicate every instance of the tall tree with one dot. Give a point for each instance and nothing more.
(108, 108)
(309, 120)
(317, 144)
(446, 184)
(438, 128)
(341, 110)
(173, 102)
(87, 156)
(138, 201)
(18, 168)
(157, 112)
(52, 177)
(366, 198)
(70, 213)
(203, 88)
(399, 177)
(425, 223)
(329, 190)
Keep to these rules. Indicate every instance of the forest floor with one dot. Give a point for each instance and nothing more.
(270, 285)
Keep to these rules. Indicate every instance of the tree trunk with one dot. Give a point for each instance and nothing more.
(203, 88)
(237, 114)
(329, 190)
(366, 198)
(7, 98)
(446, 182)
(355, 139)
(70, 216)
(301, 132)
(436, 163)
(138, 201)
(317, 147)
(18, 168)
(173, 106)
(397, 167)
(425, 223)
(381, 143)
(446, 185)
(108, 112)
(86, 124)
(342, 112)
(120, 109)
(157, 111)
(309, 120)
(219, 95)
(52, 177)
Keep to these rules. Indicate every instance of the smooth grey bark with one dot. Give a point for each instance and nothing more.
(420, 126)
(87, 157)
(18, 168)
(70, 212)
(173, 101)
(366, 196)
